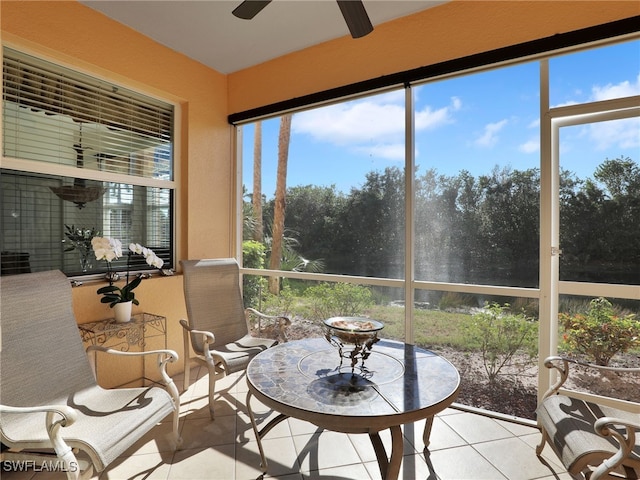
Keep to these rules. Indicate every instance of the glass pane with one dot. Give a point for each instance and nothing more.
(344, 209)
(596, 74)
(478, 178)
(47, 226)
(600, 202)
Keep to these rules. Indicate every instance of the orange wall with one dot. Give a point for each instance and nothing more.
(449, 31)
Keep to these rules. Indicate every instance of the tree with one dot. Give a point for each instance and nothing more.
(600, 232)
(509, 225)
(620, 176)
(313, 214)
(374, 214)
(280, 201)
(256, 201)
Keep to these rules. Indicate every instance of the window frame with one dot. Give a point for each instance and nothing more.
(549, 289)
(27, 167)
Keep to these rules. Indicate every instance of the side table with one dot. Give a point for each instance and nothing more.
(135, 334)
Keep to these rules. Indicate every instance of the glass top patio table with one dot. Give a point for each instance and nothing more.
(399, 384)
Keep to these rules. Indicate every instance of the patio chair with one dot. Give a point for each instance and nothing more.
(51, 406)
(593, 441)
(217, 327)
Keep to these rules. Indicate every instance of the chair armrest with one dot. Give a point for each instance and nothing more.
(170, 355)
(625, 436)
(209, 337)
(67, 413)
(165, 356)
(282, 321)
(561, 364)
(57, 416)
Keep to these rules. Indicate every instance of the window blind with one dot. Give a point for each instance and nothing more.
(54, 114)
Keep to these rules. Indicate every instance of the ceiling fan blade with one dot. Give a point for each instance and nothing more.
(250, 8)
(356, 17)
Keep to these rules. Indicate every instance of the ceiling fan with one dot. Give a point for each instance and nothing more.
(353, 11)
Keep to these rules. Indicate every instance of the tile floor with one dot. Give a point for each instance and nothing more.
(463, 446)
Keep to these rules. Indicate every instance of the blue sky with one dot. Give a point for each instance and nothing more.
(474, 122)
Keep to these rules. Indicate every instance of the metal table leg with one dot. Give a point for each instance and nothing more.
(427, 432)
(261, 433)
(389, 467)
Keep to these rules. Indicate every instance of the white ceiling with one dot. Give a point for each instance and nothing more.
(206, 31)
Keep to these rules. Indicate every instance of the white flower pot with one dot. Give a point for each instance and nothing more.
(122, 312)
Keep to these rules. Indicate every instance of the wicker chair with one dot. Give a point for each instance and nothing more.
(593, 441)
(52, 405)
(218, 329)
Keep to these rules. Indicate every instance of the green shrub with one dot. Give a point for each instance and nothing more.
(281, 304)
(253, 256)
(499, 334)
(600, 333)
(338, 299)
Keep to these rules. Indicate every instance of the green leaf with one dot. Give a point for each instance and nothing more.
(107, 289)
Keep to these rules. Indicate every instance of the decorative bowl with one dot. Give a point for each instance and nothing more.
(353, 337)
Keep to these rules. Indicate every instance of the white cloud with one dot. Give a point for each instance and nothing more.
(391, 151)
(427, 119)
(615, 134)
(490, 135)
(531, 146)
(374, 125)
(352, 123)
(622, 89)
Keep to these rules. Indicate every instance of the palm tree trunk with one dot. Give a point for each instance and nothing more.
(279, 208)
(257, 183)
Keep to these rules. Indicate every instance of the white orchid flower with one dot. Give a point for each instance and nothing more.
(152, 259)
(158, 262)
(116, 245)
(136, 248)
(106, 248)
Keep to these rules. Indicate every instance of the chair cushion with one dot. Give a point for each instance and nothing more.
(237, 355)
(109, 421)
(569, 423)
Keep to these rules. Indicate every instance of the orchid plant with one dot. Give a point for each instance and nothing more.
(110, 249)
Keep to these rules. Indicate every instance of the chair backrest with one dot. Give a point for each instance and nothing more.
(42, 358)
(214, 300)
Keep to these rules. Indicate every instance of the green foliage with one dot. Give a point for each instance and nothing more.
(600, 332)
(473, 229)
(338, 299)
(281, 304)
(253, 256)
(113, 294)
(79, 237)
(500, 334)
